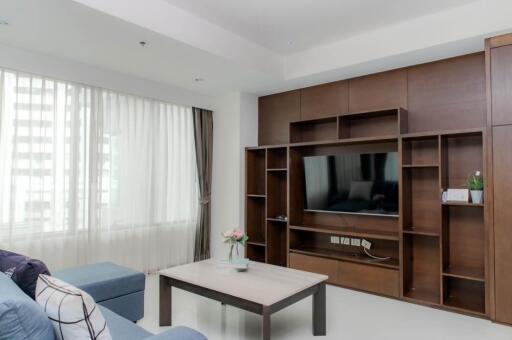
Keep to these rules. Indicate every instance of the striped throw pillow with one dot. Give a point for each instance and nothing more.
(73, 312)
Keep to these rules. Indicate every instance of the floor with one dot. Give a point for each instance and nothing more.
(350, 316)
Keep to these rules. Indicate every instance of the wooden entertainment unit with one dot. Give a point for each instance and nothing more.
(440, 120)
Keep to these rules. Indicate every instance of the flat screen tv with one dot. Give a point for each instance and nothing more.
(352, 183)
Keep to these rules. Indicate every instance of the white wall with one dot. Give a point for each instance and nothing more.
(235, 127)
(64, 69)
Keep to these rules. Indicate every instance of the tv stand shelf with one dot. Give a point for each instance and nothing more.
(350, 231)
(436, 249)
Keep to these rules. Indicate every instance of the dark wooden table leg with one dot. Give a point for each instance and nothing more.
(266, 324)
(319, 311)
(165, 301)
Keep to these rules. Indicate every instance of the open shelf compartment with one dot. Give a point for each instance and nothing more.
(255, 219)
(464, 295)
(421, 208)
(255, 171)
(463, 243)
(420, 152)
(319, 244)
(276, 243)
(255, 252)
(314, 130)
(277, 159)
(421, 269)
(461, 155)
(371, 124)
(276, 194)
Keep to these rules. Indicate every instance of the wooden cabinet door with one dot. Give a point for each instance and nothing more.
(324, 100)
(502, 169)
(275, 112)
(378, 91)
(315, 265)
(501, 83)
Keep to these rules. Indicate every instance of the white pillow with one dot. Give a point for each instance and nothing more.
(360, 190)
(73, 312)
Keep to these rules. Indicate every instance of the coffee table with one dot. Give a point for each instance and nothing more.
(264, 289)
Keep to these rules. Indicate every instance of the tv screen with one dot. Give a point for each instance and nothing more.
(352, 183)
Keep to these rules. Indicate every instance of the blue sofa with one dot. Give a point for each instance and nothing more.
(118, 288)
(22, 318)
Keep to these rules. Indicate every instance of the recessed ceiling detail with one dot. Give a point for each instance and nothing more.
(308, 23)
(257, 46)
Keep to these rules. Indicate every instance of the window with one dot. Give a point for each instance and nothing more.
(85, 163)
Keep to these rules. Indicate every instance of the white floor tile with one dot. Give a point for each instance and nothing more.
(350, 316)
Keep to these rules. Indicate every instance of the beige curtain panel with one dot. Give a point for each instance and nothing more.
(203, 134)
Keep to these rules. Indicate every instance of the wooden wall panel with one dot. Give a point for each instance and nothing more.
(378, 91)
(501, 84)
(447, 94)
(275, 114)
(324, 100)
(502, 163)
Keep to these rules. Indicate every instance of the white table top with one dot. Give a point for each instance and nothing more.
(263, 283)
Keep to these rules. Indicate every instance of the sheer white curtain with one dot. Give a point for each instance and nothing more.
(88, 174)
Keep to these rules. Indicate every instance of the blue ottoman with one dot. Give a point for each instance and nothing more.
(118, 288)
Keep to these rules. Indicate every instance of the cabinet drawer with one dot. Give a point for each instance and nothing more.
(369, 278)
(315, 265)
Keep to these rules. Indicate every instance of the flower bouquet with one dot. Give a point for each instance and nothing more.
(235, 238)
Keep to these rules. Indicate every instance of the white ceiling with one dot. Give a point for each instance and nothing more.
(289, 26)
(69, 30)
(241, 45)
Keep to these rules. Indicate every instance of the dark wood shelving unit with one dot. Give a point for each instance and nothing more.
(266, 185)
(463, 225)
(435, 249)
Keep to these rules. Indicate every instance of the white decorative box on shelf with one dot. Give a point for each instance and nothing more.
(457, 195)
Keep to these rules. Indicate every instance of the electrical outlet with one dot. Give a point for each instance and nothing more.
(355, 242)
(366, 244)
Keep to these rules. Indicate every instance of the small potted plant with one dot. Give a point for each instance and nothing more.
(234, 238)
(476, 187)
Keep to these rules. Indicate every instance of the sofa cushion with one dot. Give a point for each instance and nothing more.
(22, 270)
(104, 280)
(130, 306)
(21, 318)
(73, 312)
(121, 328)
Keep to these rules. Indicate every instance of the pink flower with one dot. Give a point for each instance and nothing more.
(238, 234)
